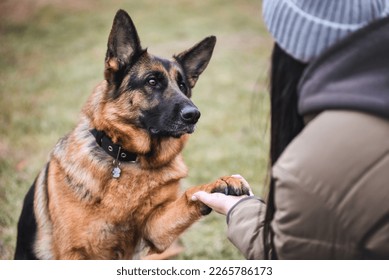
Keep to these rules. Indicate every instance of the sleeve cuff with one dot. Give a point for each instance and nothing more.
(239, 202)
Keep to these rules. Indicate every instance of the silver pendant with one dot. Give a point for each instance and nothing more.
(116, 167)
(116, 172)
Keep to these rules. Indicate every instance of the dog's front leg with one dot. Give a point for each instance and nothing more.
(174, 217)
(73, 254)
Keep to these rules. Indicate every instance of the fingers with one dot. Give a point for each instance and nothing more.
(198, 196)
(219, 202)
(207, 198)
(213, 200)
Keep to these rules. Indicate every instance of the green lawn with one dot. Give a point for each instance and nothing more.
(51, 57)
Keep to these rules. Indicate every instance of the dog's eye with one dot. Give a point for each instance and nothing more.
(182, 87)
(152, 82)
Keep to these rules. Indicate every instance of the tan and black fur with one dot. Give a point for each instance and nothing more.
(76, 209)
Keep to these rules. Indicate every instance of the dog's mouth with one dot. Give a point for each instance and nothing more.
(170, 123)
(174, 131)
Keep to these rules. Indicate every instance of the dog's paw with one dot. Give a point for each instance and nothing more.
(227, 185)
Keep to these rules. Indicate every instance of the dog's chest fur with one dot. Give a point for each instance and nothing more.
(114, 209)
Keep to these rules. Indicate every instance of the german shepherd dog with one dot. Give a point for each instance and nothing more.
(113, 182)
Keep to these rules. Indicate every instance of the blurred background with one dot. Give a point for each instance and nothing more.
(52, 55)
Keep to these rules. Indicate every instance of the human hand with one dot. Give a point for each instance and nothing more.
(219, 202)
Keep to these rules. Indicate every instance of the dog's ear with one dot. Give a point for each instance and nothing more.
(195, 60)
(123, 46)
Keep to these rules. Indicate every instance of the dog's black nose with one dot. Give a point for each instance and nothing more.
(190, 114)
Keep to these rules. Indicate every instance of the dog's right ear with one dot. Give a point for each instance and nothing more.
(123, 46)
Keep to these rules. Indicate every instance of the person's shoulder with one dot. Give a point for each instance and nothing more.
(341, 161)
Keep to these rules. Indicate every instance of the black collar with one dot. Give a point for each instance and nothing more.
(114, 150)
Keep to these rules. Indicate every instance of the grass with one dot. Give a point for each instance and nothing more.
(51, 57)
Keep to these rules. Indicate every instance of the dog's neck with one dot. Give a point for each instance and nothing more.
(152, 152)
(163, 151)
(156, 157)
(116, 151)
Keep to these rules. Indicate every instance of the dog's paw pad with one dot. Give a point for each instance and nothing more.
(205, 210)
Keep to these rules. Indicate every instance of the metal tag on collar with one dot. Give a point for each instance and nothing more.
(116, 166)
(116, 171)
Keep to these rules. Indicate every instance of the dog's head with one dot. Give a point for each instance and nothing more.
(148, 92)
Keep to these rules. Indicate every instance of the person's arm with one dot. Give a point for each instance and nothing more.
(245, 216)
(245, 227)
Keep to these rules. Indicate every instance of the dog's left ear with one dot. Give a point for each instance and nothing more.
(195, 60)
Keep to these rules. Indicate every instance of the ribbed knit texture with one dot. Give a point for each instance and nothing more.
(306, 28)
